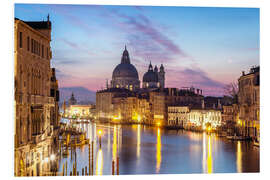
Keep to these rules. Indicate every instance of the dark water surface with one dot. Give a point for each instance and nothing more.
(151, 150)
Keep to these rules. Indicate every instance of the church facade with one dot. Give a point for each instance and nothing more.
(125, 75)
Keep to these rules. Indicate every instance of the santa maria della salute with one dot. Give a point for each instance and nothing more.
(127, 100)
(125, 75)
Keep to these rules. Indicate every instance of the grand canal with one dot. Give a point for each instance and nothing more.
(152, 150)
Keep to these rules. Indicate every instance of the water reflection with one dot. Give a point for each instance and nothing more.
(209, 156)
(138, 140)
(114, 143)
(239, 157)
(142, 149)
(99, 162)
(207, 161)
(158, 154)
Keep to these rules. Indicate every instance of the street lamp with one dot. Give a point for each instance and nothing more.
(99, 137)
(52, 157)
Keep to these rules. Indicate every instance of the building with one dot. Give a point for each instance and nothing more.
(204, 119)
(72, 100)
(104, 102)
(194, 116)
(125, 74)
(82, 111)
(153, 78)
(249, 103)
(36, 98)
(178, 116)
(230, 119)
(124, 101)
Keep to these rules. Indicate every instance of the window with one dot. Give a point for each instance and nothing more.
(20, 37)
(32, 45)
(28, 43)
(47, 53)
(42, 51)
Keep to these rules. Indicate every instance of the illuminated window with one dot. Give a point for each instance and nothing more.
(117, 86)
(147, 85)
(131, 87)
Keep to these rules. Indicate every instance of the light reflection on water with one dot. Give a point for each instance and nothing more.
(158, 155)
(239, 157)
(149, 150)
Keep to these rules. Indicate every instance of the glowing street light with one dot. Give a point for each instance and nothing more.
(46, 159)
(52, 157)
(99, 137)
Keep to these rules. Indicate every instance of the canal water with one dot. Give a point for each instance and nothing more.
(152, 150)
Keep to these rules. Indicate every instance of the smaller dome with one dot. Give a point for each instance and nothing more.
(150, 76)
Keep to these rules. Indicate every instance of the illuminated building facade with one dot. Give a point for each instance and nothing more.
(178, 116)
(194, 117)
(81, 111)
(230, 118)
(249, 103)
(125, 74)
(204, 119)
(36, 98)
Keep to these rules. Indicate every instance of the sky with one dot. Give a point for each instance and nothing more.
(203, 47)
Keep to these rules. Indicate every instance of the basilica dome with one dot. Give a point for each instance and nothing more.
(125, 75)
(150, 75)
(125, 70)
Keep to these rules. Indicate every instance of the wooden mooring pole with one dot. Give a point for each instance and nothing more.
(113, 167)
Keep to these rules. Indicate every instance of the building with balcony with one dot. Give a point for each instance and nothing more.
(36, 97)
(249, 103)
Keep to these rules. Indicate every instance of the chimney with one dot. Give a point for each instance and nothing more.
(243, 73)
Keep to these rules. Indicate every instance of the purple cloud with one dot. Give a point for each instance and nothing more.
(143, 33)
(194, 77)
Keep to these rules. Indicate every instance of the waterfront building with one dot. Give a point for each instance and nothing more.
(204, 118)
(230, 118)
(81, 111)
(104, 102)
(178, 116)
(249, 103)
(125, 74)
(194, 116)
(36, 97)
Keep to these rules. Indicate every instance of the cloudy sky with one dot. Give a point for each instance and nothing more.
(202, 47)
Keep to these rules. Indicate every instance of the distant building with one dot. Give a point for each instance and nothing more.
(230, 118)
(82, 111)
(249, 103)
(72, 100)
(125, 74)
(194, 117)
(36, 97)
(154, 79)
(178, 116)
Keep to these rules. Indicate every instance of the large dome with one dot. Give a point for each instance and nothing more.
(150, 76)
(125, 70)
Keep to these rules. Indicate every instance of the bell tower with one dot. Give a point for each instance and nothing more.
(161, 76)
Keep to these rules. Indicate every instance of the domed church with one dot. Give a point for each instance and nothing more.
(153, 78)
(125, 75)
